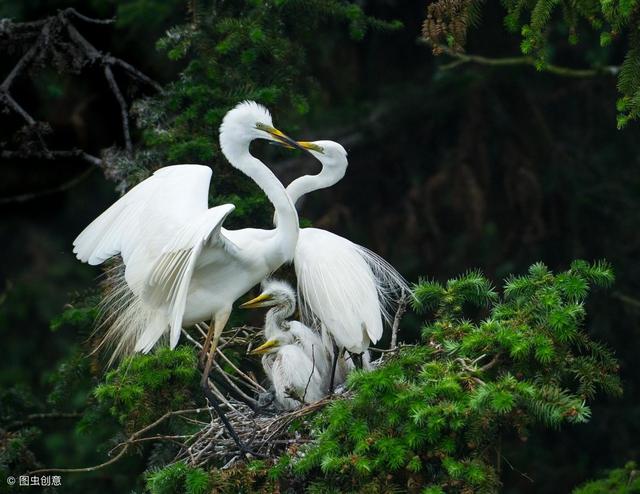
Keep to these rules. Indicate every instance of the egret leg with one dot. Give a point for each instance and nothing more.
(334, 365)
(218, 322)
(207, 341)
(211, 398)
(357, 360)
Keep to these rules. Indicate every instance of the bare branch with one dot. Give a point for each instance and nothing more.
(44, 416)
(51, 155)
(89, 54)
(462, 58)
(84, 18)
(123, 108)
(125, 445)
(402, 307)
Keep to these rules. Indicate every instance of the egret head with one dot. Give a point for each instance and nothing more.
(248, 121)
(331, 154)
(272, 345)
(275, 293)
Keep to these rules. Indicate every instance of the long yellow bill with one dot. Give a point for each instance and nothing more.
(257, 302)
(304, 145)
(281, 137)
(264, 348)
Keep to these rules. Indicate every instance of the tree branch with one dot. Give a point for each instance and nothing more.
(402, 307)
(125, 445)
(44, 416)
(462, 58)
(66, 34)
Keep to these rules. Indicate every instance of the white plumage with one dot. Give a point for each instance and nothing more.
(181, 265)
(295, 359)
(342, 286)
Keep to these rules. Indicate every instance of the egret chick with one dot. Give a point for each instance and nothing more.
(294, 357)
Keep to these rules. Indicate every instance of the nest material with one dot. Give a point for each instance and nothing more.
(263, 429)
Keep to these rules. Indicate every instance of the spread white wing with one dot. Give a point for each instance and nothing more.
(147, 215)
(345, 287)
(168, 282)
(160, 228)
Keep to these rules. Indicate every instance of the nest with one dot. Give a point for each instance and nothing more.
(261, 427)
(264, 429)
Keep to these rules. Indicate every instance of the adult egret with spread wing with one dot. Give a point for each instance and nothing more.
(294, 356)
(350, 290)
(181, 265)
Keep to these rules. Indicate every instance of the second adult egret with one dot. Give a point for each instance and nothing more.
(348, 289)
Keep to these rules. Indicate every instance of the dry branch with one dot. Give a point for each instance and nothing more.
(57, 35)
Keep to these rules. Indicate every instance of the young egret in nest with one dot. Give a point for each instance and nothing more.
(182, 266)
(294, 357)
(348, 289)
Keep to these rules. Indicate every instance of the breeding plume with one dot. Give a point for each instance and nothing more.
(345, 287)
(295, 359)
(182, 266)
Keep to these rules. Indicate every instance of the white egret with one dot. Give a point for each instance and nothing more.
(181, 265)
(345, 287)
(294, 356)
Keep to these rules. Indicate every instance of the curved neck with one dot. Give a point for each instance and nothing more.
(309, 183)
(287, 229)
(275, 320)
(301, 186)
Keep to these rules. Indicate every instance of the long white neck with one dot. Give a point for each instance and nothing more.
(301, 186)
(275, 320)
(287, 229)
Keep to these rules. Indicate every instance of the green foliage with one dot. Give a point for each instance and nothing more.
(178, 478)
(15, 453)
(619, 481)
(144, 387)
(539, 20)
(79, 317)
(543, 24)
(432, 415)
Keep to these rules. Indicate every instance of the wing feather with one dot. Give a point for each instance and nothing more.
(345, 287)
(147, 215)
(168, 281)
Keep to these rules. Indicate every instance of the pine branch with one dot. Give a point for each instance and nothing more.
(464, 58)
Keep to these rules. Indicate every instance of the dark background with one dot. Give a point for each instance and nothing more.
(493, 168)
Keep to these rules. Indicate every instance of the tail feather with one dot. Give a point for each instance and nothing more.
(390, 284)
(129, 325)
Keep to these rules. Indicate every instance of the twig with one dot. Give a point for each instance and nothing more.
(402, 307)
(627, 299)
(491, 363)
(233, 385)
(125, 445)
(462, 58)
(50, 155)
(44, 42)
(108, 73)
(233, 366)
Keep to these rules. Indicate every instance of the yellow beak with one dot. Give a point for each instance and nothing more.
(280, 137)
(264, 347)
(257, 302)
(304, 145)
(311, 146)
